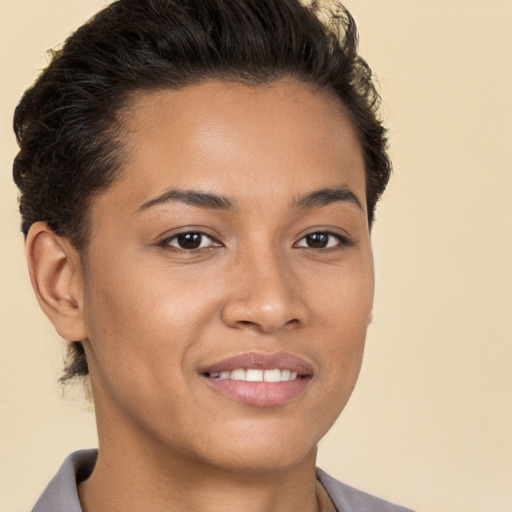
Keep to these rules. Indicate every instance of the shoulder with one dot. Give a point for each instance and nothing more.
(61, 494)
(348, 499)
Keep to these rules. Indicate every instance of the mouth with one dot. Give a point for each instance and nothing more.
(259, 379)
(256, 375)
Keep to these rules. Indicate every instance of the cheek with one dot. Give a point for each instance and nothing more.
(342, 315)
(142, 336)
(145, 324)
(343, 299)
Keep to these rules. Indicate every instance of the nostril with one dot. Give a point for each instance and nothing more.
(258, 312)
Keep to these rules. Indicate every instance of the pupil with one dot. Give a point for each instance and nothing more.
(317, 240)
(189, 240)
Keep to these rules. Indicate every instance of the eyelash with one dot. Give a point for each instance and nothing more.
(343, 241)
(167, 241)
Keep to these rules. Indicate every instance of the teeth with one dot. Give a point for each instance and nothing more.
(253, 375)
(256, 375)
(238, 374)
(272, 375)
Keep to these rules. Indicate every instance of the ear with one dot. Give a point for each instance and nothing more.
(56, 275)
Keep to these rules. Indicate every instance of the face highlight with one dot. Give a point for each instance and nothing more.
(229, 277)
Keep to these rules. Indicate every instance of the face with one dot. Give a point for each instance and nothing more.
(229, 277)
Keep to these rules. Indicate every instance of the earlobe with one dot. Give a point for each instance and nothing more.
(56, 276)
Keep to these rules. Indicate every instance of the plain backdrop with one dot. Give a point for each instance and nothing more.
(430, 422)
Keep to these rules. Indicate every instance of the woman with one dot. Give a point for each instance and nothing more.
(198, 181)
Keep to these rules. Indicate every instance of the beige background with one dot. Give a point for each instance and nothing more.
(430, 423)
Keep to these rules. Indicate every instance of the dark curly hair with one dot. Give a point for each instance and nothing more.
(69, 123)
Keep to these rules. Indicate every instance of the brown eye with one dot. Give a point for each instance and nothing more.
(317, 240)
(322, 240)
(189, 241)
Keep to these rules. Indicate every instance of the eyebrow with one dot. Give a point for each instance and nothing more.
(327, 196)
(318, 198)
(192, 197)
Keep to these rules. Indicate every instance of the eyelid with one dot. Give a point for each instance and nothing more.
(343, 239)
(165, 241)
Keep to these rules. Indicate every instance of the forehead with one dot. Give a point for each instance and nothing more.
(238, 140)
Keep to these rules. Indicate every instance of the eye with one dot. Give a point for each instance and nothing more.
(189, 241)
(322, 240)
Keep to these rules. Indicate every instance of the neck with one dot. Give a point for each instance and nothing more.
(133, 481)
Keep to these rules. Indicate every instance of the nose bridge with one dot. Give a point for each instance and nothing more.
(265, 292)
(272, 279)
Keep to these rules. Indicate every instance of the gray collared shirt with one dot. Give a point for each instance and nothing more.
(61, 495)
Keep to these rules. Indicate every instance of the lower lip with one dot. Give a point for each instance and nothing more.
(260, 394)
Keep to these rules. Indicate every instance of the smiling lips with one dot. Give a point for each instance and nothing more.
(257, 375)
(259, 379)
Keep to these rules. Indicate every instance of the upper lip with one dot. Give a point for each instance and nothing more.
(262, 361)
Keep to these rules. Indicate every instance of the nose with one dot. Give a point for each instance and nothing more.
(265, 296)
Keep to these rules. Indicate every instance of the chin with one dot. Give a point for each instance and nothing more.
(256, 461)
(262, 449)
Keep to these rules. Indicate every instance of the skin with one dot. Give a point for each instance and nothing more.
(152, 314)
